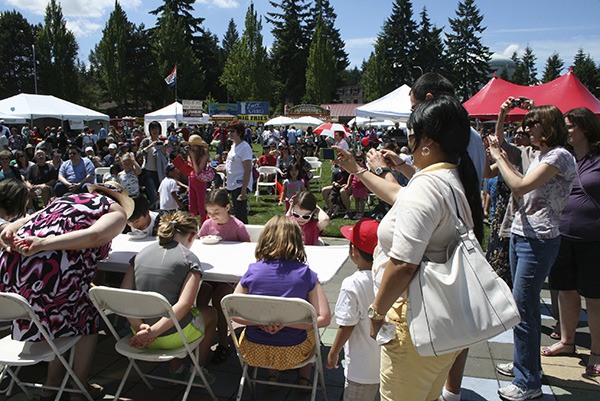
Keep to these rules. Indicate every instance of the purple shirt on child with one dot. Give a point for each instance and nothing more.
(279, 278)
(580, 219)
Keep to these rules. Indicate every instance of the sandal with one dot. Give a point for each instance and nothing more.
(303, 381)
(593, 369)
(220, 355)
(555, 332)
(553, 351)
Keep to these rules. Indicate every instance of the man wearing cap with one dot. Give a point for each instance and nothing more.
(111, 157)
(352, 315)
(90, 154)
(74, 174)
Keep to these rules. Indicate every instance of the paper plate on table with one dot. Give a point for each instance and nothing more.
(135, 236)
(210, 239)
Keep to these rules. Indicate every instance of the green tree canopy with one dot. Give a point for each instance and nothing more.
(17, 38)
(429, 53)
(322, 69)
(376, 78)
(586, 70)
(466, 54)
(553, 68)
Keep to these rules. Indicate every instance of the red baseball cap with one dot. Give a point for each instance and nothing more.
(362, 235)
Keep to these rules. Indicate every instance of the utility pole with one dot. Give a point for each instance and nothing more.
(34, 70)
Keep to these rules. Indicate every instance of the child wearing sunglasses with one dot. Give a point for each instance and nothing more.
(310, 217)
(281, 271)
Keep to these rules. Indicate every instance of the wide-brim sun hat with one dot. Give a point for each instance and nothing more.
(117, 192)
(196, 140)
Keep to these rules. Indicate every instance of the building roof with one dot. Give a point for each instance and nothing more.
(342, 109)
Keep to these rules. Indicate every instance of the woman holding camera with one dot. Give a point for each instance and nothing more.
(541, 195)
(420, 224)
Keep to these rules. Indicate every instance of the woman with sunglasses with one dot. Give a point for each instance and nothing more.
(310, 217)
(540, 195)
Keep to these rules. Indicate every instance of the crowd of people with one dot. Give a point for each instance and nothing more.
(57, 218)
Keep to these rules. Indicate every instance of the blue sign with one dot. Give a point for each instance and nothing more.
(253, 108)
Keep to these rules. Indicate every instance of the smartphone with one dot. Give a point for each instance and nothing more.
(328, 154)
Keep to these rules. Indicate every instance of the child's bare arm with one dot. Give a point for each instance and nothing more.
(342, 335)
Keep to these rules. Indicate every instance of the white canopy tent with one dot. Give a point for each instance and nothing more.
(30, 107)
(370, 122)
(394, 106)
(172, 113)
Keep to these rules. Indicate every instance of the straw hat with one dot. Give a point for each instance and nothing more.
(196, 140)
(117, 192)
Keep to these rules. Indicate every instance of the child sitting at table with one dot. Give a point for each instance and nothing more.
(177, 277)
(281, 270)
(353, 334)
(310, 217)
(226, 226)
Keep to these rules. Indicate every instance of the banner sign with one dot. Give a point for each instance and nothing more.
(307, 110)
(253, 108)
(192, 108)
(214, 109)
(257, 118)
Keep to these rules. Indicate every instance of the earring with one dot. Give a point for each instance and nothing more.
(425, 151)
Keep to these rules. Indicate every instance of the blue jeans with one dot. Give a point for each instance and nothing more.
(152, 185)
(530, 262)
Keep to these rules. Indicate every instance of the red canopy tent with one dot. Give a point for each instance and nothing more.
(565, 92)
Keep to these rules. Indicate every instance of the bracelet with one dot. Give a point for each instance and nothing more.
(361, 171)
(403, 162)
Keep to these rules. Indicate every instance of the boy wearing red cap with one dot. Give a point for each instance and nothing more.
(356, 294)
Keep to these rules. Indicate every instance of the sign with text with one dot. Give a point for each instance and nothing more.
(253, 108)
(215, 109)
(192, 108)
(307, 110)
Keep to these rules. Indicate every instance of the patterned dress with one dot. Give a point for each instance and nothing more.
(56, 283)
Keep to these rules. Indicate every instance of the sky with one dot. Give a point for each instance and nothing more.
(545, 25)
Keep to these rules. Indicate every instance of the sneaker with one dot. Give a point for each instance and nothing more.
(507, 369)
(348, 215)
(516, 393)
(357, 216)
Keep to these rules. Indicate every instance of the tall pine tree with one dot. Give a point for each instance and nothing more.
(466, 54)
(230, 39)
(529, 69)
(289, 52)
(553, 69)
(585, 69)
(376, 77)
(398, 38)
(114, 56)
(429, 47)
(246, 72)
(17, 36)
(322, 71)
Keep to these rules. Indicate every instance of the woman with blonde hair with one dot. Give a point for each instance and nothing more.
(281, 270)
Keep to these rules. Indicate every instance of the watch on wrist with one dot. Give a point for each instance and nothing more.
(380, 170)
(373, 314)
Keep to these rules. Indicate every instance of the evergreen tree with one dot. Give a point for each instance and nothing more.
(322, 70)
(376, 77)
(322, 9)
(289, 51)
(113, 52)
(504, 74)
(554, 66)
(519, 76)
(528, 62)
(150, 86)
(351, 77)
(17, 38)
(398, 38)
(91, 84)
(230, 39)
(210, 55)
(466, 54)
(429, 47)
(56, 51)
(246, 72)
(173, 40)
(585, 69)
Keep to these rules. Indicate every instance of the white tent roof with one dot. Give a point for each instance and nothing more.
(172, 113)
(26, 106)
(395, 106)
(370, 122)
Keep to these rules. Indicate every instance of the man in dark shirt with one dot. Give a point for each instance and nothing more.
(42, 176)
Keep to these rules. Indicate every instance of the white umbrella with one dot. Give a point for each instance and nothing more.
(281, 120)
(308, 120)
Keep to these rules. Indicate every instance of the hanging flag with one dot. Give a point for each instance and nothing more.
(171, 79)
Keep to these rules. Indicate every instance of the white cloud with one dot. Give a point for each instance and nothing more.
(360, 42)
(220, 3)
(542, 49)
(75, 8)
(82, 27)
(510, 50)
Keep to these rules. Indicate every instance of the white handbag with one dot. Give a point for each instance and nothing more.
(456, 304)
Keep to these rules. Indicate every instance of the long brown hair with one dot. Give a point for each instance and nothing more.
(281, 239)
(176, 223)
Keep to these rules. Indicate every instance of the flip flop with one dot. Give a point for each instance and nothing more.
(593, 369)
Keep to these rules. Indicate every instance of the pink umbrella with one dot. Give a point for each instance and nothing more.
(329, 128)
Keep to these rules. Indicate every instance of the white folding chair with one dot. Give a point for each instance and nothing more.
(311, 159)
(262, 309)
(99, 173)
(267, 177)
(146, 305)
(316, 168)
(15, 353)
(254, 230)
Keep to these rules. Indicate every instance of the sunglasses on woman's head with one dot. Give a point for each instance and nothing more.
(302, 216)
